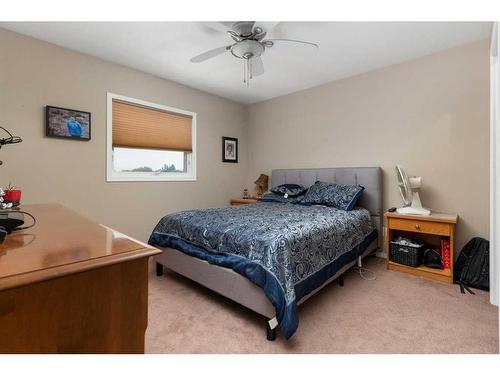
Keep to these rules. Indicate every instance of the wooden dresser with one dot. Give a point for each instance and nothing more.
(69, 285)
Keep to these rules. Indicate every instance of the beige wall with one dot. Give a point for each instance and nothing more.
(430, 115)
(34, 74)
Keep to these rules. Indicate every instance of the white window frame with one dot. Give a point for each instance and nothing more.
(114, 176)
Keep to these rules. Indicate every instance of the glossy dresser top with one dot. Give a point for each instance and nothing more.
(62, 242)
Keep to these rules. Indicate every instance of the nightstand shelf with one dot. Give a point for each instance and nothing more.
(430, 229)
(431, 273)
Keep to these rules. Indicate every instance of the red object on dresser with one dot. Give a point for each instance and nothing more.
(12, 196)
(445, 249)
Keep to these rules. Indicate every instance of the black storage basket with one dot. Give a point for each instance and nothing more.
(408, 255)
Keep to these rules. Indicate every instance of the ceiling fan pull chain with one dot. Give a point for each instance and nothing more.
(249, 70)
(245, 72)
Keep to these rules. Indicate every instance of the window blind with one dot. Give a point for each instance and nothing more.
(136, 126)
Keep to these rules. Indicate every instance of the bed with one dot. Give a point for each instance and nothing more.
(271, 257)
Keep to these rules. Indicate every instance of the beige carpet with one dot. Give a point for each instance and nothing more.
(396, 313)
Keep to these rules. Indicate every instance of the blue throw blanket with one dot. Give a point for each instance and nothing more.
(287, 249)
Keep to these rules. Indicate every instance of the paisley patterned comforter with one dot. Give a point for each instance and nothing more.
(287, 249)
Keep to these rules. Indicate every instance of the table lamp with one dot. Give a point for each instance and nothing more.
(262, 184)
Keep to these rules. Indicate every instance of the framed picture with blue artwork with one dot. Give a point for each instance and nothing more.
(67, 123)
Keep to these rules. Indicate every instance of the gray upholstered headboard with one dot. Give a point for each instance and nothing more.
(369, 177)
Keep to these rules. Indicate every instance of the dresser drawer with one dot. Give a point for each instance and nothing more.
(442, 229)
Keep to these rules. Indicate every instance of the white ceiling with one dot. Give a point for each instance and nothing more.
(346, 49)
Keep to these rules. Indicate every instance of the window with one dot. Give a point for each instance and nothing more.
(149, 142)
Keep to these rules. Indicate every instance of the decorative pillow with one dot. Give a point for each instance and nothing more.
(343, 197)
(293, 190)
(272, 197)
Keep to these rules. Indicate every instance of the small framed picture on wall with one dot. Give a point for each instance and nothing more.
(67, 123)
(229, 150)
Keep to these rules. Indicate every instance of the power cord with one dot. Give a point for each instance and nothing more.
(7, 229)
(364, 273)
(10, 139)
(26, 213)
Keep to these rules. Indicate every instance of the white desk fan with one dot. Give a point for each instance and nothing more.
(409, 187)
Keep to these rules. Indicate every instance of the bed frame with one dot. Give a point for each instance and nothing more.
(238, 288)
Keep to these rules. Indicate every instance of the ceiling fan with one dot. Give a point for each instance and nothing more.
(249, 44)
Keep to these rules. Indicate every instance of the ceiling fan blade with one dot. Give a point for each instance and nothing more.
(223, 27)
(265, 26)
(257, 66)
(288, 41)
(209, 54)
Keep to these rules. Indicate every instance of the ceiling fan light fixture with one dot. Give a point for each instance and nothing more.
(247, 50)
(247, 47)
(250, 45)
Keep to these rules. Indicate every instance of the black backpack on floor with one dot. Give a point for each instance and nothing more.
(472, 268)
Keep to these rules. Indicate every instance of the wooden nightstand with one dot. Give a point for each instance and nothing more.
(430, 229)
(240, 201)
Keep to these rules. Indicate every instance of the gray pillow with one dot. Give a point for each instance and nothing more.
(343, 197)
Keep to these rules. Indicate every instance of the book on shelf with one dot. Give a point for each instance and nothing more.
(446, 253)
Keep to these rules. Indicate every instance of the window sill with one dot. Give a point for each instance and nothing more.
(150, 178)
